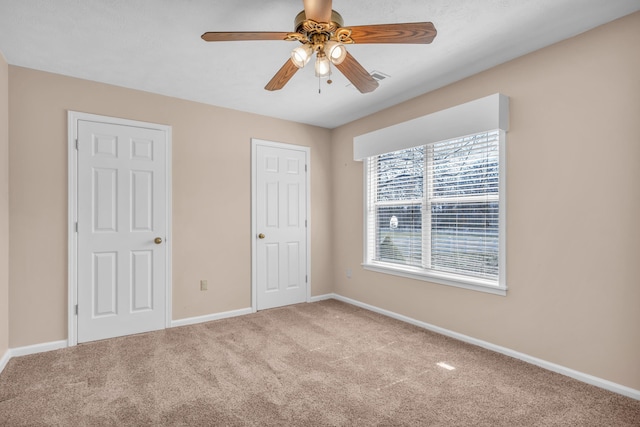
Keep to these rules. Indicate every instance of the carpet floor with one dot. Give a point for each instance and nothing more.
(319, 364)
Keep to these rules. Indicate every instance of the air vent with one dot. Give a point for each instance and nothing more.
(377, 75)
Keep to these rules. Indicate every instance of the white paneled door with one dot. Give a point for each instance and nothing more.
(280, 224)
(122, 228)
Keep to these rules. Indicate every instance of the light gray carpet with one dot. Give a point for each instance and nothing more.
(324, 363)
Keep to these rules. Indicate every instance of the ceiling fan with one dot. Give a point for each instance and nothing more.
(320, 30)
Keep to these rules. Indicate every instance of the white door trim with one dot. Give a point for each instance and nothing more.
(72, 191)
(254, 228)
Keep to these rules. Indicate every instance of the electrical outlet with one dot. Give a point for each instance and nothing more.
(204, 285)
(348, 273)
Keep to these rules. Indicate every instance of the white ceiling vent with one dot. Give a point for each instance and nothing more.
(377, 75)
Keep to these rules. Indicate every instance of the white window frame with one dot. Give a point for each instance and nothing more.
(474, 117)
(443, 278)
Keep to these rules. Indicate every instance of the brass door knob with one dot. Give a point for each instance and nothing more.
(157, 240)
(260, 236)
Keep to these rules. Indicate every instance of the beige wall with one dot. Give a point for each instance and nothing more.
(211, 197)
(573, 229)
(4, 206)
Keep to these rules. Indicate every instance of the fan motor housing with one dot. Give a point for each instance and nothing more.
(306, 26)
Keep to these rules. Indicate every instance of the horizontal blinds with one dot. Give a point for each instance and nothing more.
(436, 206)
(490, 112)
(397, 191)
(465, 167)
(399, 175)
(463, 203)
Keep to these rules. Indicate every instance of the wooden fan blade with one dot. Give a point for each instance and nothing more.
(241, 36)
(283, 75)
(414, 32)
(318, 10)
(357, 75)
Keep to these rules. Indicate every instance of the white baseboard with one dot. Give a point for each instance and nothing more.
(38, 348)
(30, 349)
(322, 297)
(4, 360)
(580, 376)
(210, 317)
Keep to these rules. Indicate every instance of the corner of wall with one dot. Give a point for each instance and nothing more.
(4, 211)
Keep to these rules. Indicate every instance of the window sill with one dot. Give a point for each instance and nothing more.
(441, 279)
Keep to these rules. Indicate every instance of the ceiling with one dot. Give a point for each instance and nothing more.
(155, 46)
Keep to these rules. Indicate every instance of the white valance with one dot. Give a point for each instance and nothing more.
(488, 113)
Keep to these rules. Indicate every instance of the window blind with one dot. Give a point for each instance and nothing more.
(463, 203)
(397, 192)
(435, 207)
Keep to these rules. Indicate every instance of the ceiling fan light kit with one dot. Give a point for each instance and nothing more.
(323, 67)
(337, 51)
(301, 55)
(320, 30)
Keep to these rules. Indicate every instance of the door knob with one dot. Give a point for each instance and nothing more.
(260, 236)
(157, 240)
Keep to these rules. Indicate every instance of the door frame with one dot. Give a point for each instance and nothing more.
(255, 142)
(72, 267)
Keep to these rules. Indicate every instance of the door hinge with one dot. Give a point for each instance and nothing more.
(76, 226)
(305, 168)
(76, 309)
(306, 279)
(76, 143)
(305, 223)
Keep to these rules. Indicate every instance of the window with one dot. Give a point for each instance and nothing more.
(433, 211)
